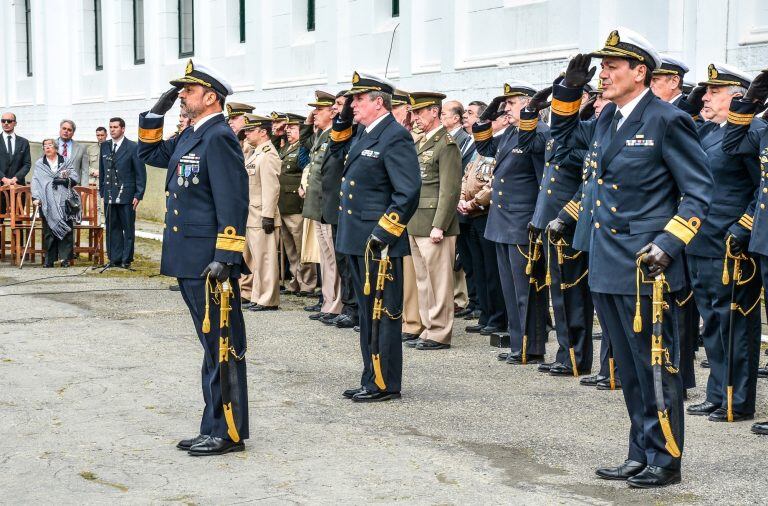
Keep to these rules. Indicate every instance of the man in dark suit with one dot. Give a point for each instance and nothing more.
(15, 160)
(379, 194)
(652, 195)
(206, 193)
(122, 180)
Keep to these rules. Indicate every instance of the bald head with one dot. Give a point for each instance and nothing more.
(451, 114)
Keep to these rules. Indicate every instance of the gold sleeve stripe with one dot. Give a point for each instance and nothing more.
(683, 230)
(150, 135)
(572, 208)
(483, 135)
(391, 223)
(740, 119)
(341, 136)
(565, 108)
(529, 124)
(230, 241)
(746, 221)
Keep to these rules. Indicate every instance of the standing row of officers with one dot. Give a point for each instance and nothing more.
(637, 202)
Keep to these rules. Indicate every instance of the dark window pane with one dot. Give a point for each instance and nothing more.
(97, 32)
(138, 31)
(186, 28)
(28, 22)
(310, 15)
(395, 8)
(242, 21)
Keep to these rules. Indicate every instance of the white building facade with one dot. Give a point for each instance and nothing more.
(89, 60)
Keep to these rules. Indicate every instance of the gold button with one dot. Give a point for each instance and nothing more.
(598, 203)
(341, 194)
(615, 187)
(491, 201)
(613, 230)
(762, 206)
(349, 211)
(343, 179)
(599, 181)
(350, 195)
(613, 209)
(539, 187)
(175, 196)
(552, 179)
(499, 206)
(339, 208)
(351, 183)
(167, 194)
(549, 192)
(597, 225)
(581, 208)
(765, 190)
(500, 192)
(176, 212)
(547, 164)
(175, 228)
(502, 180)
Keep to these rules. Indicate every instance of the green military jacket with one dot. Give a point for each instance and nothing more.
(441, 173)
(313, 197)
(290, 173)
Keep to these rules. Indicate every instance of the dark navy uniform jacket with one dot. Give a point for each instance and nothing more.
(653, 185)
(515, 185)
(747, 136)
(206, 191)
(379, 188)
(131, 173)
(736, 179)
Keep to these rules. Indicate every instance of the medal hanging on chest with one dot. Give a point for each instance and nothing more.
(180, 171)
(195, 171)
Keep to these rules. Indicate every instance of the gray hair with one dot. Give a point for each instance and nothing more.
(71, 123)
(386, 98)
(737, 90)
(53, 141)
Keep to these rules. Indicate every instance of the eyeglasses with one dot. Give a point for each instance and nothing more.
(7, 121)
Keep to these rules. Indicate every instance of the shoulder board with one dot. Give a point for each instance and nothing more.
(266, 149)
(449, 139)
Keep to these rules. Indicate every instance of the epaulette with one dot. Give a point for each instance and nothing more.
(265, 149)
(449, 139)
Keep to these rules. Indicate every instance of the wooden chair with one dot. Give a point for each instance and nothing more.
(21, 225)
(5, 222)
(89, 225)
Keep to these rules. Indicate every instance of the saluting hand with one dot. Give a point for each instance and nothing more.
(493, 110)
(758, 90)
(695, 97)
(539, 101)
(165, 102)
(655, 258)
(346, 113)
(578, 72)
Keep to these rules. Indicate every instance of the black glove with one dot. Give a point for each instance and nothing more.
(217, 270)
(268, 224)
(376, 244)
(533, 231)
(578, 72)
(241, 135)
(655, 258)
(758, 90)
(60, 181)
(556, 229)
(695, 96)
(587, 111)
(346, 113)
(492, 111)
(736, 247)
(165, 102)
(539, 101)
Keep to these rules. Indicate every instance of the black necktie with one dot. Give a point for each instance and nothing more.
(114, 148)
(615, 123)
(10, 148)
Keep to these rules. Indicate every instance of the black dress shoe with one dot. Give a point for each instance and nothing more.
(591, 381)
(215, 446)
(366, 396)
(47, 265)
(625, 471)
(760, 428)
(356, 328)
(285, 291)
(474, 329)
(317, 316)
(762, 372)
(244, 301)
(487, 331)
(186, 444)
(702, 409)
(606, 384)
(517, 359)
(314, 308)
(409, 337)
(127, 265)
(413, 343)
(259, 307)
(344, 322)
(349, 393)
(502, 356)
(705, 363)
(248, 305)
(654, 477)
(474, 315)
(462, 312)
(721, 415)
(545, 366)
(65, 263)
(329, 318)
(560, 370)
(174, 288)
(428, 344)
(302, 293)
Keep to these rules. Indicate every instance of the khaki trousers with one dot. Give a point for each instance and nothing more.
(411, 318)
(433, 264)
(331, 285)
(460, 294)
(304, 275)
(262, 260)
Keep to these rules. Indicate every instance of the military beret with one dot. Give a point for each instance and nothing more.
(671, 67)
(630, 45)
(422, 99)
(204, 76)
(720, 74)
(366, 83)
(253, 121)
(322, 99)
(235, 109)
